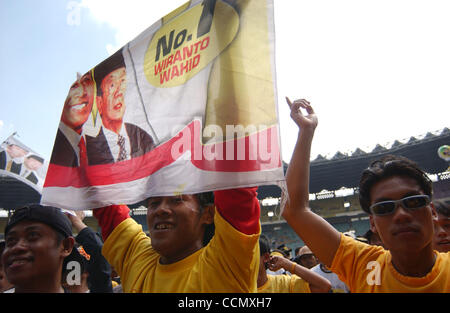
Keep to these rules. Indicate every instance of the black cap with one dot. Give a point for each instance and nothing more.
(49, 215)
(285, 249)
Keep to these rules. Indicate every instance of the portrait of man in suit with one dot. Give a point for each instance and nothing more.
(32, 163)
(117, 140)
(12, 157)
(69, 143)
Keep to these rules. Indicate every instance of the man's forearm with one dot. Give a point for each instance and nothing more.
(297, 175)
(315, 231)
(316, 282)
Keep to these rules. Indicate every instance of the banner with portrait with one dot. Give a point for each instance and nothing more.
(188, 106)
(21, 163)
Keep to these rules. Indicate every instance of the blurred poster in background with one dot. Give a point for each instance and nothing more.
(22, 174)
(20, 162)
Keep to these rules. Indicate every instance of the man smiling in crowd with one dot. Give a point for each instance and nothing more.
(38, 244)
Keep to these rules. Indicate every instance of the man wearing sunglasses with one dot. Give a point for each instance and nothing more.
(396, 194)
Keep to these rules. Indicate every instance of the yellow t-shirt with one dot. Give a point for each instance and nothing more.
(284, 284)
(366, 268)
(229, 263)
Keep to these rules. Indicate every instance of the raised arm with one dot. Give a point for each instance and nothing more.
(239, 207)
(110, 217)
(322, 238)
(99, 269)
(316, 282)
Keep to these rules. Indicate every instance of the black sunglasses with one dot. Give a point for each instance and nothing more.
(409, 203)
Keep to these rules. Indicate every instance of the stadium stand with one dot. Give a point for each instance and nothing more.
(333, 187)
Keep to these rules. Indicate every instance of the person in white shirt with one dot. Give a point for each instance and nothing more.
(337, 286)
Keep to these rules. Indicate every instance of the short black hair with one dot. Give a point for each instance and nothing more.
(2, 247)
(37, 158)
(368, 235)
(206, 199)
(389, 166)
(109, 65)
(297, 259)
(264, 246)
(442, 207)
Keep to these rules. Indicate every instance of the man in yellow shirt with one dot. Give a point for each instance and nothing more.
(302, 279)
(182, 253)
(396, 194)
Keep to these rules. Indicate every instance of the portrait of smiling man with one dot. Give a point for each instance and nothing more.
(117, 140)
(397, 195)
(69, 147)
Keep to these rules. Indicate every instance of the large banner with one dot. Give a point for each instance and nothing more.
(190, 105)
(20, 162)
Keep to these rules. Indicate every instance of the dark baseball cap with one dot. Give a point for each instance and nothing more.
(49, 215)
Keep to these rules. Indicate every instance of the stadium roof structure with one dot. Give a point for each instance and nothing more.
(15, 193)
(344, 170)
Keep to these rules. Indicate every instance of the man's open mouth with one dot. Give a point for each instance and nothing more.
(118, 106)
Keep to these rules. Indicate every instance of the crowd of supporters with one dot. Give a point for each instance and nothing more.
(211, 242)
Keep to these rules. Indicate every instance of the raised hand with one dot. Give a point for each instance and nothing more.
(276, 262)
(77, 219)
(309, 121)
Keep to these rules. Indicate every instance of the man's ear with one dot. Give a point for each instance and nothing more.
(373, 228)
(208, 214)
(265, 257)
(67, 245)
(99, 101)
(434, 214)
